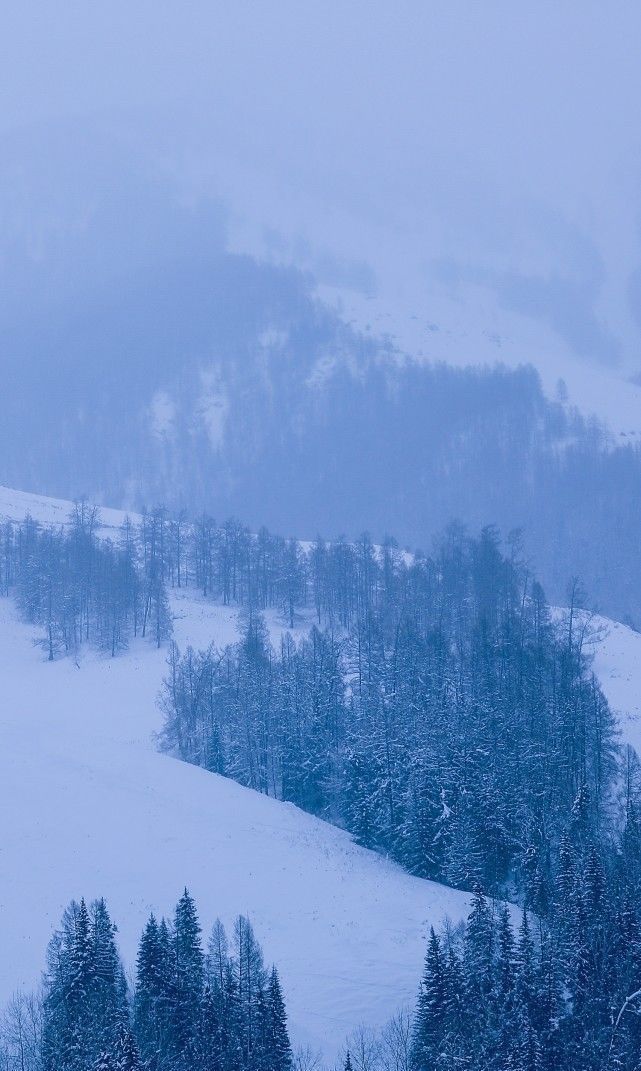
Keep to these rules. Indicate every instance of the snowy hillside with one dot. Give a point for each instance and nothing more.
(380, 278)
(617, 664)
(462, 332)
(16, 505)
(90, 808)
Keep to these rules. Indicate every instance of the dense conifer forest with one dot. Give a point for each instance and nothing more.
(190, 1008)
(435, 710)
(558, 990)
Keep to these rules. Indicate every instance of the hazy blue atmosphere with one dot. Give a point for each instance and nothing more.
(490, 147)
(419, 153)
(320, 516)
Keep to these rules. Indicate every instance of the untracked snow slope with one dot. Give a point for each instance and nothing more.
(617, 664)
(89, 807)
(16, 505)
(475, 332)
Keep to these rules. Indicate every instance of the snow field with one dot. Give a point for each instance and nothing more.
(89, 807)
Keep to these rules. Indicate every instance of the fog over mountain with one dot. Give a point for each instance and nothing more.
(236, 245)
(150, 362)
(496, 147)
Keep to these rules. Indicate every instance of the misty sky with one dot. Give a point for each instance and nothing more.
(486, 151)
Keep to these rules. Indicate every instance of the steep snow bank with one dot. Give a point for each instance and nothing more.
(617, 664)
(88, 807)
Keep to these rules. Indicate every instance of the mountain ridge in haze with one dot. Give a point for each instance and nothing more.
(147, 363)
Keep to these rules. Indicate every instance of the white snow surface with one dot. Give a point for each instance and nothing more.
(380, 273)
(474, 333)
(89, 807)
(15, 505)
(617, 664)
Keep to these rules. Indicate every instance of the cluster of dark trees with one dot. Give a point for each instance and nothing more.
(437, 711)
(563, 991)
(190, 1009)
(84, 588)
(85, 583)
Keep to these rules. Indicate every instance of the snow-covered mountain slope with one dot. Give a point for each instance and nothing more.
(465, 304)
(89, 807)
(16, 505)
(617, 664)
(468, 331)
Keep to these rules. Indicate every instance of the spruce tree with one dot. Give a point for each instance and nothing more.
(279, 1044)
(431, 1015)
(109, 997)
(250, 978)
(154, 996)
(126, 1054)
(189, 960)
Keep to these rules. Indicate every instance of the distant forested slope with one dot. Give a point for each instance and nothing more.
(141, 361)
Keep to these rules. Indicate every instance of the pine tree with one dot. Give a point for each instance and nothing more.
(505, 955)
(550, 1003)
(109, 997)
(126, 1054)
(431, 1013)
(260, 1053)
(189, 976)
(154, 997)
(479, 945)
(78, 1043)
(280, 1058)
(225, 1015)
(479, 951)
(504, 994)
(526, 968)
(234, 1028)
(212, 1028)
(85, 999)
(250, 979)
